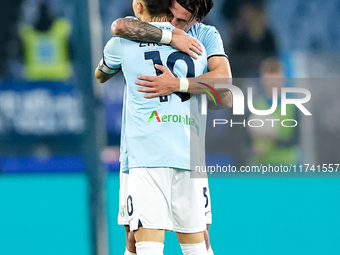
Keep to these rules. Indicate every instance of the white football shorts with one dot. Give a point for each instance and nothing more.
(165, 198)
(123, 218)
(207, 200)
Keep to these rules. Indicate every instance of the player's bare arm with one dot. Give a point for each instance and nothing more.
(136, 30)
(101, 76)
(103, 73)
(226, 98)
(219, 67)
(141, 31)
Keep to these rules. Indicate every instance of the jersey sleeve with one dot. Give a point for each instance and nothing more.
(113, 54)
(131, 17)
(213, 43)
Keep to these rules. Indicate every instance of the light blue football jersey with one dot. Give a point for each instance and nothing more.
(209, 37)
(157, 131)
(211, 40)
(123, 157)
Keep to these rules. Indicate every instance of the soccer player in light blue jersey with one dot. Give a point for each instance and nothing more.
(157, 144)
(182, 12)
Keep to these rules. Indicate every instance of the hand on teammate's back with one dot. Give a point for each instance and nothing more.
(161, 85)
(186, 43)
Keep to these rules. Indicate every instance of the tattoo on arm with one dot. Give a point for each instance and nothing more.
(226, 99)
(211, 104)
(139, 31)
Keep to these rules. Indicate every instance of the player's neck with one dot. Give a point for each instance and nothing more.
(157, 19)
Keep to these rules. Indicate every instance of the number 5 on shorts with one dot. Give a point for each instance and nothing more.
(206, 197)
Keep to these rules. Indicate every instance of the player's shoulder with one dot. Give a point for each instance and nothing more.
(119, 46)
(121, 43)
(163, 25)
(114, 41)
(204, 29)
(131, 17)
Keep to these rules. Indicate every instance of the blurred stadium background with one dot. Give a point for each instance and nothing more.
(60, 131)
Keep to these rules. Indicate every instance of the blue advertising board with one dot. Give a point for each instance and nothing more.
(40, 108)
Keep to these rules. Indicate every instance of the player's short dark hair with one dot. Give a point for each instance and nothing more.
(198, 8)
(157, 7)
